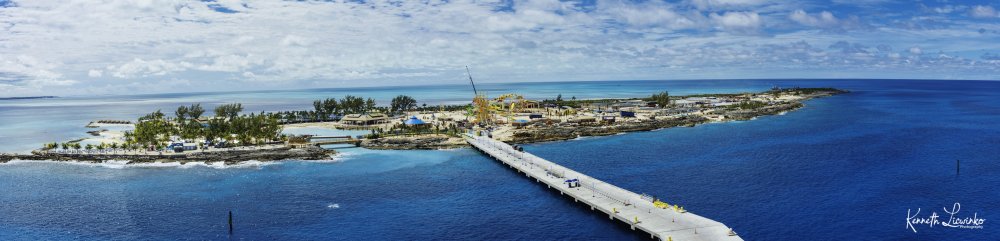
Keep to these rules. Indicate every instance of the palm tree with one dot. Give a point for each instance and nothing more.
(195, 111)
(369, 105)
(181, 113)
(330, 106)
(318, 106)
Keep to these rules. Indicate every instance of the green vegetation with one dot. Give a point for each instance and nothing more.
(228, 110)
(403, 103)
(154, 130)
(326, 109)
(662, 99)
(805, 91)
(404, 130)
(748, 105)
(559, 101)
(50, 146)
(715, 95)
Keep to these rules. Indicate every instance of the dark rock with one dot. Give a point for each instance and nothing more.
(229, 157)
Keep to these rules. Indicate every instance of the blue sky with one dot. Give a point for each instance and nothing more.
(87, 47)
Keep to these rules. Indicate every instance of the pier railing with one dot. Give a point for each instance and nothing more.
(634, 209)
(598, 187)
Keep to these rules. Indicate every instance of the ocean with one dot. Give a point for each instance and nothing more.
(846, 167)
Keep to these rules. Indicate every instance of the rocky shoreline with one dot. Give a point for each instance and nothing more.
(559, 131)
(228, 156)
(569, 131)
(435, 142)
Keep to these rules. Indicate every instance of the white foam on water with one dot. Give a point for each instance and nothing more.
(339, 157)
(333, 206)
(122, 164)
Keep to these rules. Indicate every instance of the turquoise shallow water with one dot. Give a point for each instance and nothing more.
(844, 167)
(28, 123)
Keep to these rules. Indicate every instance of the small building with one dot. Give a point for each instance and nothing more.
(676, 111)
(627, 114)
(608, 119)
(441, 117)
(598, 106)
(685, 103)
(583, 119)
(364, 119)
(535, 116)
(723, 104)
(630, 103)
(646, 109)
(181, 147)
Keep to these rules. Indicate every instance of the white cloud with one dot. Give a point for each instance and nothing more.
(141, 68)
(862, 2)
(296, 41)
(823, 19)
(742, 22)
(95, 73)
(916, 51)
(648, 14)
(723, 4)
(28, 71)
(946, 9)
(302, 44)
(981, 11)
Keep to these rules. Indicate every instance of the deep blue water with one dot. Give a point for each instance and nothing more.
(846, 167)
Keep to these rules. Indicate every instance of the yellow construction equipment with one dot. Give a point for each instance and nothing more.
(486, 109)
(483, 112)
(661, 204)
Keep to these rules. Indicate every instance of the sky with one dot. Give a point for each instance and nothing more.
(110, 47)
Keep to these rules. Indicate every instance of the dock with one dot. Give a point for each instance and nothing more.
(332, 140)
(635, 210)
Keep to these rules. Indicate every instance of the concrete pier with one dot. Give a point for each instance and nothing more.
(617, 203)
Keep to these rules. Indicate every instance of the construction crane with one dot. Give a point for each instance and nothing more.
(474, 91)
(516, 104)
(485, 109)
(480, 103)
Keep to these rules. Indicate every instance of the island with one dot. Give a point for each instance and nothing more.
(231, 136)
(28, 97)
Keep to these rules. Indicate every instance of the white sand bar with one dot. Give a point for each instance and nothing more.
(617, 203)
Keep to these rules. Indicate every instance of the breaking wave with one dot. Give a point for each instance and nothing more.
(121, 164)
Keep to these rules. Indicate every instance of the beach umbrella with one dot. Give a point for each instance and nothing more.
(413, 121)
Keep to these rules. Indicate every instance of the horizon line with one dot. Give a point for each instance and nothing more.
(458, 84)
